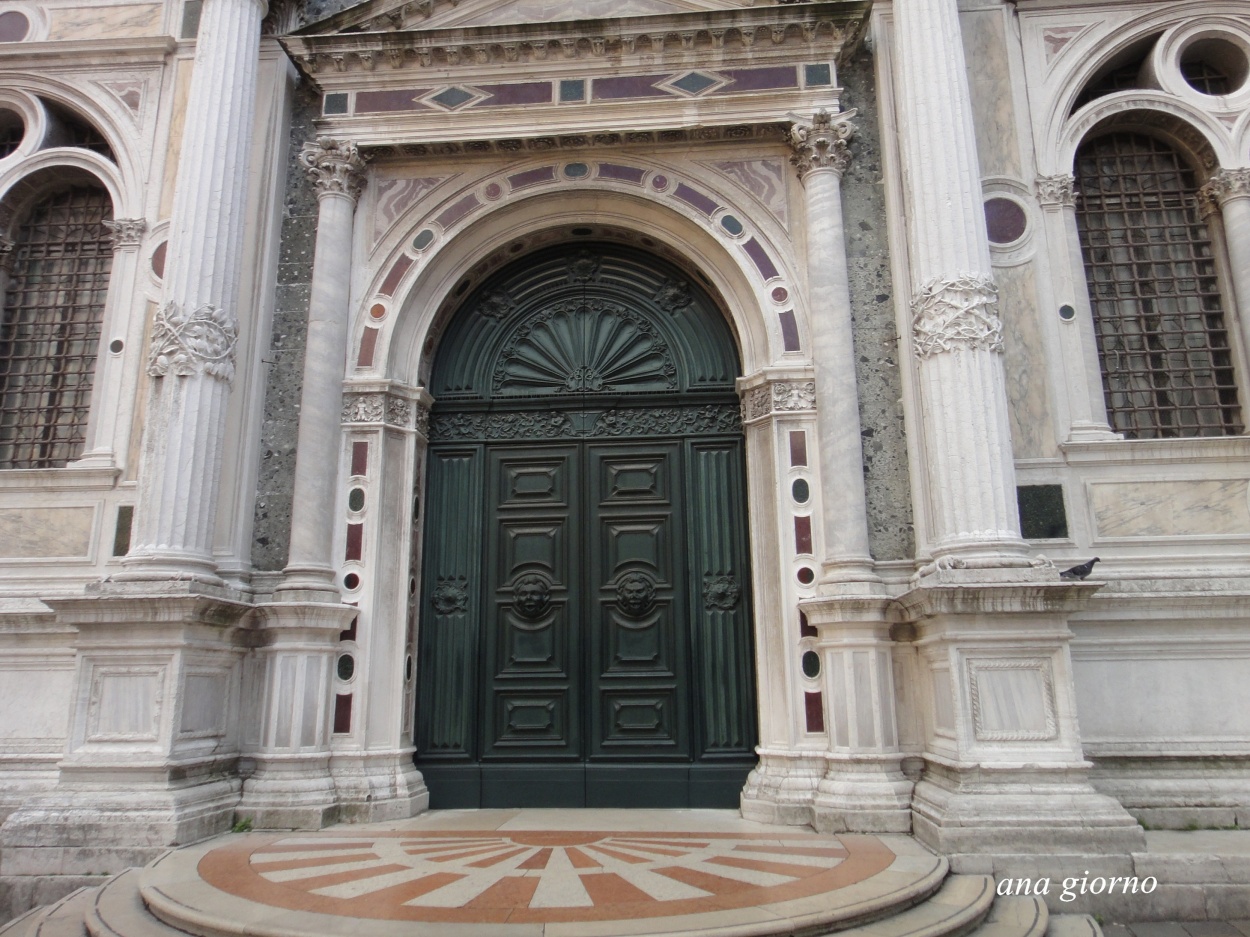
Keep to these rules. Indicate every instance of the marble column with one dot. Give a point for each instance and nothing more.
(191, 358)
(956, 331)
(1230, 190)
(114, 375)
(338, 173)
(821, 156)
(291, 786)
(1078, 345)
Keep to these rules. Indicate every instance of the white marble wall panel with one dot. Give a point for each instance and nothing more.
(125, 703)
(1012, 700)
(45, 532)
(1200, 507)
(34, 699)
(118, 22)
(204, 704)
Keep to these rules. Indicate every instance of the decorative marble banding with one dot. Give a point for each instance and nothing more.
(457, 210)
(532, 177)
(759, 257)
(789, 331)
(398, 269)
(695, 198)
(632, 174)
(536, 877)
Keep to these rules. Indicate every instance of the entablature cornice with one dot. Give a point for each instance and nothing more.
(59, 54)
(394, 39)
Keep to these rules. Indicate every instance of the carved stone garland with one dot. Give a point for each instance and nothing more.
(949, 313)
(823, 144)
(198, 342)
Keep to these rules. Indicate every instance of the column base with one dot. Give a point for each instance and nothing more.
(781, 787)
(1023, 809)
(289, 792)
(377, 786)
(863, 795)
(86, 829)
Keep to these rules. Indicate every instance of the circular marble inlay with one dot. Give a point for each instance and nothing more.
(377, 311)
(801, 490)
(493, 190)
(158, 260)
(806, 575)
(1005, 221)
(811, 665)
(732, 225)
(424, 239)
(780, 294)
(536, 876)
(116, 346)
(346, 667)
(659, 183)
(14, 26)
(1067, 313)
(356, 499)
(351, 581)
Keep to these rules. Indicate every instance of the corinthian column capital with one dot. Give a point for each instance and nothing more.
(125, 232)
(1057, 190)
(335, 167)
(822, 143)
(1224, 185)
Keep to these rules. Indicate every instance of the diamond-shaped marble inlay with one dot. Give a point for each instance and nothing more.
(694, 83)
(452, 98)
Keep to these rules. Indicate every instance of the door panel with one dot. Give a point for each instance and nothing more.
(532, 661)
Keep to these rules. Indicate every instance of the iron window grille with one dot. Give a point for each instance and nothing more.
(53, 310)
(1163, 345)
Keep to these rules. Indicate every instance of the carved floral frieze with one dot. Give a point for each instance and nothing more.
(376, 407)
(778, 397)
(200, 341)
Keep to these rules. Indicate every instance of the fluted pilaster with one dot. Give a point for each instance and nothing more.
(821, 156)
(956, 331)
(191, 358)
(338, 172)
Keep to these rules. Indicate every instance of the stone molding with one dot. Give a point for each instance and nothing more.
(335, 167)
(1057, 190)
(823, 143)
(580, 141)
(778, 397)
(394, 38)
(199, 342)
(391, 409)
(126, 232)
(959, 311)
(1221, 187)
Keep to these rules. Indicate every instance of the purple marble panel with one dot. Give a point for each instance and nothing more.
(532, 177)
(697, 199)
(457, 210)
(368, 342)
(13, 26)
(381, 102)
(528, 92)
(760, 79)
(1005, 220)
(628, 86)
(760, 257)
(396, 274)
(789, 331)
(624, 173)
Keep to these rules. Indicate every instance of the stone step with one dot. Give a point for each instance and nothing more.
(119, 911)
(1072, 925)
(1016, 917)
(962, 903)
(64, 918)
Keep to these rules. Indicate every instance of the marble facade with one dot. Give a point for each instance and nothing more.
(307, 190)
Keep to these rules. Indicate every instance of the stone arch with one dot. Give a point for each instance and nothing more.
(1195, 135)
(425, 292)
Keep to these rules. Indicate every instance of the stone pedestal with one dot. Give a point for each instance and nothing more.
(288, 785)
(863, 788)
(152, 756)
(1004, 770)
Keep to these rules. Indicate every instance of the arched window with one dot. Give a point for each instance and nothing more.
(50, 326)
(1163, 344)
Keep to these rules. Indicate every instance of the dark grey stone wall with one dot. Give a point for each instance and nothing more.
(872, 312)
(286, 353)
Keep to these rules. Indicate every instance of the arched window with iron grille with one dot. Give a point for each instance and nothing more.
(50, 327)
(1163, 343)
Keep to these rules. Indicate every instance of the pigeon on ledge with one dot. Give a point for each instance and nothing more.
(1079, 572)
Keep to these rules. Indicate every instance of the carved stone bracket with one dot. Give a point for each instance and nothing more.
(1222, 186)
(126, 232)
(198, 342)
(822, 144)
(1057, 190)
(954, 312)
(778, 397)
(335, 166)
(390, 409)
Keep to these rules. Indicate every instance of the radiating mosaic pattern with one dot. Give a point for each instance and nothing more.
(519, 877)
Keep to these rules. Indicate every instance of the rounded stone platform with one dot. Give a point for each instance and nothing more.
(586, 872)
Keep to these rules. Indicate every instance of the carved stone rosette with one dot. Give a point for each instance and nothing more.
(949, 313)
(384, 408)
(1222, 186)
(822, 144)
(125, 232)
(778, 397)
(198, 342)
(1057, 190)
(335, 167)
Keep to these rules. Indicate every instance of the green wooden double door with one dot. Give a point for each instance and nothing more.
(584, 626)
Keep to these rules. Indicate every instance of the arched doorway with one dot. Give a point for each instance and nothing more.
(585, 626)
